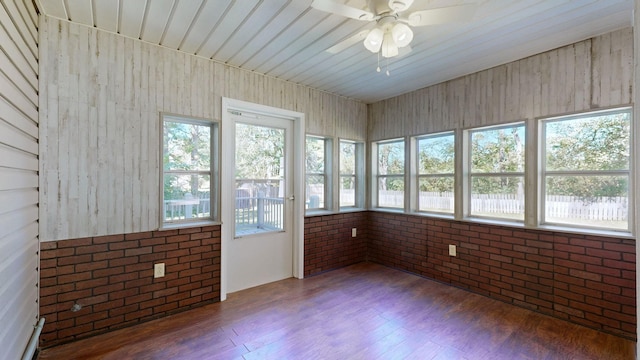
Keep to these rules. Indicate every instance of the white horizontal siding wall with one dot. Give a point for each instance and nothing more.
(18, 176)
(101, 98)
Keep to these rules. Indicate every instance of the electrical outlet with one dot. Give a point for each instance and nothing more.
(452, 250)
(158, 270)
(353, 232)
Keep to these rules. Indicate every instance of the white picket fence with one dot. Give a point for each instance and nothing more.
(557, 207)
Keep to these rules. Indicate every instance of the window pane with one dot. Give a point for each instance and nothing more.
(498, 197)
(315, 155)
(391, 158)
(315, 192)
(186, 196)
(391, 191)
(186, 146)
(436, 194)
(597, 201)
(498, 150)
(347, 190)
(347, 158)
(436, 155)
(599, 142)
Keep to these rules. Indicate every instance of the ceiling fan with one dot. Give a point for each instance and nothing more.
(394, 19)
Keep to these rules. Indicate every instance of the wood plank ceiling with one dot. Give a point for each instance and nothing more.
(287, 39)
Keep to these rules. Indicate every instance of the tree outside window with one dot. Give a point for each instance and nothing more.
(436, 168)
(496, 178)
(188, 183)
(390, 174)
(586, 169)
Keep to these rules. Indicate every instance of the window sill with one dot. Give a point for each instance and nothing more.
(190, 224)
(585, 231)
(330, 212)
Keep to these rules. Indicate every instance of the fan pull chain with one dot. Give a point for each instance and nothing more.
(387, 66)
(378, 68)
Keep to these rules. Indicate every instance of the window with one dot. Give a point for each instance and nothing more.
(586, 169)
(496, 172)
(390, 174)
(189, 171)
(436, 167)
(316, 178)
(351, 174)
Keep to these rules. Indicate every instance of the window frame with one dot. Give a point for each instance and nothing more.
(326, 175)
(418, 176)
(375, 189)
(469, 175)
(542, 173)
(213, 172)
(358, 175)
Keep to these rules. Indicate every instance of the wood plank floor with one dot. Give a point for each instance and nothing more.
(364, 311)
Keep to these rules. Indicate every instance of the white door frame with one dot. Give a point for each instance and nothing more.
(227, 182)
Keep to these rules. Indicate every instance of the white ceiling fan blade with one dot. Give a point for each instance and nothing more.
(337, 8)
(460, 13)
(348, 42)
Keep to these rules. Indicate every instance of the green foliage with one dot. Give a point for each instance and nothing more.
(391, 162)
(259, 152)
(187, 147)
(436, 155)
(599, 143)
(314, 158)
(497, 151)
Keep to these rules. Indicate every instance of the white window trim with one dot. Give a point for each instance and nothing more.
(375, 176)
(359, 176)
(328, 175)
(416, 176)
(540, 220)
(214, 173)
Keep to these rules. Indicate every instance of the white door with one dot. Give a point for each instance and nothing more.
(258, 213)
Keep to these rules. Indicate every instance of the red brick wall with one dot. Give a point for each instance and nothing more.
(111, 277)
(328, 243)
(589, 280)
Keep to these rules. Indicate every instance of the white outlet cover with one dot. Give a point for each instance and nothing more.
(158, 270)
(452, 250)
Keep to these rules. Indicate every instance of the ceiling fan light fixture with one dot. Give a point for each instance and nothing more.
(389, 47)
(400, 5)
(402, 34)
(374, 39)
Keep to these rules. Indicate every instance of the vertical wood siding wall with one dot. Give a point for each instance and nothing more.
(590, 74)
(100, 114)
(18, 175)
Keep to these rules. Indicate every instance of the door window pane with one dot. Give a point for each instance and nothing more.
(259, 179)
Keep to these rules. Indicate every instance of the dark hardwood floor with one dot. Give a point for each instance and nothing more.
(364, 311)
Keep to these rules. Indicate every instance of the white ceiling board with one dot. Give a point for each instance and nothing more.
(53, 8)
(157, 16)
(131, 18)
(203, 25)
(179, 23)
(298, 41)
(288, 39)
(256, 23)
(105, 14)
(228, 26)
(273, 30)
(80, 11)
(298, 26)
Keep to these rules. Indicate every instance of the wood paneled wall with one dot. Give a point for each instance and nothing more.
(590, 74)
(100, 123)
(18, 175)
